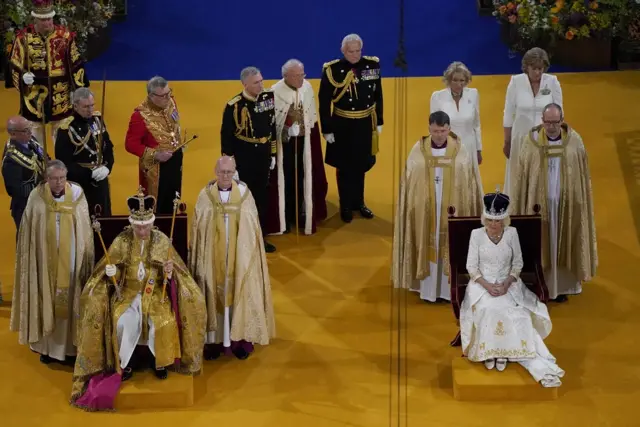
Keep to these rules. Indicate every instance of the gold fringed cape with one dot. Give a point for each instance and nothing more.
(253, 317)
(100, 311)
(414, 238)
(44, 280)
(577, 247)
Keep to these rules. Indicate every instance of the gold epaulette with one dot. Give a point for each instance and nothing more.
(327, 64)
(372, 58)
(234, 100)
(97, 113)
(65, 123)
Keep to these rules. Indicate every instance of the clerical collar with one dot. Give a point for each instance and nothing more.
(224, 189)
(433, 145)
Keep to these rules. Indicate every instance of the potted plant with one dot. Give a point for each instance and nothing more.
(574, 32)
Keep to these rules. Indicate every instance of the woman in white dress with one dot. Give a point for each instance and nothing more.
(462, 104)
(527, 95)
(501, 320)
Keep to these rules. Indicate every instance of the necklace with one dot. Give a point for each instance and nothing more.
(495, 239)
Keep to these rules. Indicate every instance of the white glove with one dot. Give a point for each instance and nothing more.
(273, 163)
(294, 130)
(380, 129)
(236, 177)
(100, 173)
(27, 78)
(330, 138)
(110, 270)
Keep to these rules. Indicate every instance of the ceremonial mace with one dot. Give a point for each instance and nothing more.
(176, 203)
(101, 127)
(184, 142)
(96, 227)
(295, 148)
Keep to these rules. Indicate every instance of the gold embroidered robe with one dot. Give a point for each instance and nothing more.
(97, 343)
(58, 70)
(414, 239)
(48, 282)
(248, 285)
(577, 246)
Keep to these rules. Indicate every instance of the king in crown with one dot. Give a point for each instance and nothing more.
(131, 281)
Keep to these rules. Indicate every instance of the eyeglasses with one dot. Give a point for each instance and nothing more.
(226, 172)
(165, 96)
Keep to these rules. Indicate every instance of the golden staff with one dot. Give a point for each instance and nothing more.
(101, 127)
(176, 202)
(44, 133)
(295, 141)
(96, 227)
(184, 143)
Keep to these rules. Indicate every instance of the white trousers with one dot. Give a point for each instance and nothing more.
(129, 331)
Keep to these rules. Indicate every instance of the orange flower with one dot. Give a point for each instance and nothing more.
(569, 35)
(502, 9)
(593, 5)
(511, 6)
(554, 19)
(543, 1)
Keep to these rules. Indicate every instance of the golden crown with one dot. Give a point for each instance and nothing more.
(43, 9)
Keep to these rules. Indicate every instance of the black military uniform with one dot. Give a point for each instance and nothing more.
(355, 92)
(80, 148)
(23, 168)
(249, 134)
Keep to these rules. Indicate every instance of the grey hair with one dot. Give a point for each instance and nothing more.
(155, 83)
(248, 72)
(80, 93)
(56, 164)
(505, 222)
(553, 105)
(351, 38)
(290, 64)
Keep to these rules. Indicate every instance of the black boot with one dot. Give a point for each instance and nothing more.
(161, 373)
(241, 353)
(211, 351)
(127, 373)
(346, 215)
(45, 359)
(268, 247)
(365, 212)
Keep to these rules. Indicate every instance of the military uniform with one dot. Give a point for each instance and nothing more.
(249, 134)
(84, 145)
(58, 70)
(355, 93)
(23, 168)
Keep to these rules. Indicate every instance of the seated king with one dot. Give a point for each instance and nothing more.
(123, 307)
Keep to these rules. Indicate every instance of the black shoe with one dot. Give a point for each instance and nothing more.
(346, 215)
(365, 212)
(211, 352)
(269, 248)
(241, 353)
(161, 373)
(561, 298)
(127, 373)
(45, 359)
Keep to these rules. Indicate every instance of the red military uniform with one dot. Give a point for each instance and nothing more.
(152, 129)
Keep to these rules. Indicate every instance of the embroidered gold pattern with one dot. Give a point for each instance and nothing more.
(500, 329)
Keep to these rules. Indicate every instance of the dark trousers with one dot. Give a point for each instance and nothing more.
(350, 189)
(16, 214)
(170, 183)
(289, 170)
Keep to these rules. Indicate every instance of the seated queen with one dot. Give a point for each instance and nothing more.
(501, 320)
(122, 307)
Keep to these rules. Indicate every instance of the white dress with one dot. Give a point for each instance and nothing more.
(523, 111)
(512, 326)
(465, 120)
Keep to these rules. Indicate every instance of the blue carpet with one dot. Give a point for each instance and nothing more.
(198, 40)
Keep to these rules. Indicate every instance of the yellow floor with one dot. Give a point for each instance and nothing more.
(330, 364)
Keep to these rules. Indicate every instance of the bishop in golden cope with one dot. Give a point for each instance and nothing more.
(114, 322)
(54, 258)
(227, 259)
(439, 173)
(553, 171)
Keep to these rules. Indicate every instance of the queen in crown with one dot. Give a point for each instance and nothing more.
(501, 320)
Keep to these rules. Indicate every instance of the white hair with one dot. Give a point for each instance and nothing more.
(352, 38)
(290, 64)
(56, 164)
(248, 72)
(505, 222)
(156, 82)
(80, 93)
